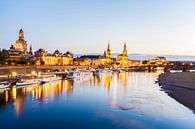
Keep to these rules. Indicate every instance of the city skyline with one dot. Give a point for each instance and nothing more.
(156, 28)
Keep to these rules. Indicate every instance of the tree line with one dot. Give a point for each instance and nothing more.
(3, 56)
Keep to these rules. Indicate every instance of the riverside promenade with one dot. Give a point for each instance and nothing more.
(180, 86)
(7, 71)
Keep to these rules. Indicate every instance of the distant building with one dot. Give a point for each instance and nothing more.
(96, 60)
(158, 61)
(133, 63)
(57, 58)
(88, 60)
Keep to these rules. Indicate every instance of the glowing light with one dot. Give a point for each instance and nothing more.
(14, 74)
(33, 73)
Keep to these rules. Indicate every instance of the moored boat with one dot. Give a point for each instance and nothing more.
(101, 72)
(4, 85)
(24, 82)
(79, 74)
(49, 78)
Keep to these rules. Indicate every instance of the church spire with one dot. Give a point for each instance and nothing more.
(125, 49)
(30, 50)
(125, 45)
(108, 51)
(108, 47)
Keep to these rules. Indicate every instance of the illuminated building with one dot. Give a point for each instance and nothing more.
(96, 60)
(57, 58)
(122, 59)
(19, 50)
(20, 44)
(106, 59)
(107, 53)
(133, 63)
(158, 61)
(88, 60)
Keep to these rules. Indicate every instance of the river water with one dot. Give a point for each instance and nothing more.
(120, 101)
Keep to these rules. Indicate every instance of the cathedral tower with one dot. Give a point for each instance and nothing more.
(125, 50)
(108, 51)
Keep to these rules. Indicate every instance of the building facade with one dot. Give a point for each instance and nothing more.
(57, 58)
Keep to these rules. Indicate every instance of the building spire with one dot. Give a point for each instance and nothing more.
(30, 50)
(125, 45)
(108, 47)
(21, 31)
(125, 49)
(21, 34)
(108, 51)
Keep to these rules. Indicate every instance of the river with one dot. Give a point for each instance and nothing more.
(129, 100)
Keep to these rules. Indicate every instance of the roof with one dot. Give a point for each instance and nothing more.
(161, 57)
(90, 57)
(21, 31)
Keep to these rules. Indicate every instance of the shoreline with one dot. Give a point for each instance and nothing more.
(180, 86)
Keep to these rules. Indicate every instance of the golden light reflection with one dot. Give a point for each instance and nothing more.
(123, 78)
(42, 93)
(68, 88)
(13, 92)
(6, 96)
(114, 96)
(19, 105)
(103, 80)
(156, 75)
(107, 83)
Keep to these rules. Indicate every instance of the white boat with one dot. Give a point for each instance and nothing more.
(44, 80)
(80, 74)
(101, 72)
(24, 82)
(74, 75)
(4, 85)
(55, 79)
(50, 78)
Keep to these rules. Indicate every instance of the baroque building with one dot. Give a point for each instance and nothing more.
(19, 50)
(57, 58)
(20, 44)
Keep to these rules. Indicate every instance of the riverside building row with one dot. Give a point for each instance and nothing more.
(19, 52)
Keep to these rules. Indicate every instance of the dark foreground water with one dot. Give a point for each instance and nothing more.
(121, 101)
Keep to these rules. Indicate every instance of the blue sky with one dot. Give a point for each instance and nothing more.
(85, 26)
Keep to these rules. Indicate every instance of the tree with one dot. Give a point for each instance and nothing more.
(3, 56)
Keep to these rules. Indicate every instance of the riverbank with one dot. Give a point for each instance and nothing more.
(180, 86)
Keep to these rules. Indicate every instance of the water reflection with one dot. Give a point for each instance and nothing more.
(125, 97)
(138, 93)
(39, 93)
(127, 91)
(102, 81)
